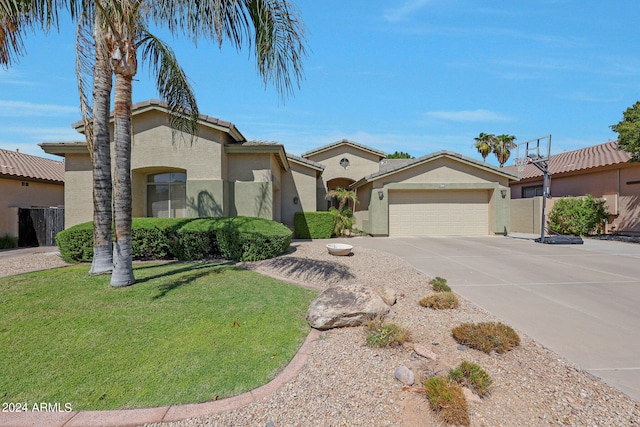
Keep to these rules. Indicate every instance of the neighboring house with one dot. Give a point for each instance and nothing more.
(27, 182)
(220, 173)
(601, 170)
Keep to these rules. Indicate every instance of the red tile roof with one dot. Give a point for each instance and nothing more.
(15, 164)
(596, 156)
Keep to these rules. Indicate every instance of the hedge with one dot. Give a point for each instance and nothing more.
(314, 225)
(239, 239)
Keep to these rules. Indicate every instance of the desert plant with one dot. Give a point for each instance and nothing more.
(440, 300)
(381, 334)
(8, 242)
(447, 400)
(487, 336)
(578, 215)
(439, 284)
(471, 375)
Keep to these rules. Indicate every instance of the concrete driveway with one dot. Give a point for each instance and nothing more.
(581, 301)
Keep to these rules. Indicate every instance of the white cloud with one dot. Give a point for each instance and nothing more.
(30, 109)
(469, 116)
(407, 8)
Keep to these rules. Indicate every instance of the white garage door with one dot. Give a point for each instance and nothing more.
(438, 213)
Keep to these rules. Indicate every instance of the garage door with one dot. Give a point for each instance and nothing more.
(438, 213)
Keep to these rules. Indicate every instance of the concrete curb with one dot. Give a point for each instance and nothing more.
(137, 417)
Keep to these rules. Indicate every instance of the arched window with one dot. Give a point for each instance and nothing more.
(166, 195)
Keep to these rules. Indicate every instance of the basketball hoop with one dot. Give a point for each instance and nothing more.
(522, 162)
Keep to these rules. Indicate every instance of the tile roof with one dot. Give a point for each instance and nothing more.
(156, 103)
(393, 167)
(302, 160)
(596, 156)
(15, 164)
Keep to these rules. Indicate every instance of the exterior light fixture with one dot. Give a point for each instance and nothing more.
(503, 193)
(380, 194)
(296, 199)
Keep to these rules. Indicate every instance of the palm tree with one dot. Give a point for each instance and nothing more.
(484, 144)
(502, 147)
(343, 214)
(278, 48)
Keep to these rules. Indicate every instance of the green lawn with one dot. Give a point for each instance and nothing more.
(183, 333)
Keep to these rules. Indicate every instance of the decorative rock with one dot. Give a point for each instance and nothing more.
(462, 347)
(424, 352)
(388, 295)
(345, 305)
(471, 396)
(404, 375)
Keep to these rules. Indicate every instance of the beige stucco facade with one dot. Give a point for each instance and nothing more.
(25, 193)
(439, 178)
(223, 174)
(618, 185)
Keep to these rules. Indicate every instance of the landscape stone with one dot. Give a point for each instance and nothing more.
(345, 305)
(388, 295)
(404, 375)
(423, 351)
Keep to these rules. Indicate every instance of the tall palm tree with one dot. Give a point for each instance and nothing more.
(277, 40)
(502, 147)
(484, 144)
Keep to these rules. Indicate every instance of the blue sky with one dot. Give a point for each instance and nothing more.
(412, 75)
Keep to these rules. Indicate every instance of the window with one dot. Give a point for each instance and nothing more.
(166, 195)
(528, 192)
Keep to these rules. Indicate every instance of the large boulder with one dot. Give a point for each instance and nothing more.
(346, 305)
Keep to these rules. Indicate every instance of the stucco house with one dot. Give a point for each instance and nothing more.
(27, 181)
(220, 173)
(601, 170)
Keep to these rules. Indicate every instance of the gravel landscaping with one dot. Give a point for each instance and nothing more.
(345, 383)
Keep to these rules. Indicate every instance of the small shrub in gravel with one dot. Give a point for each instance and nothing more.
(471, 375)
(440, 301)
(381, 334)
(447, 400)
(439, 284)
(487, 336)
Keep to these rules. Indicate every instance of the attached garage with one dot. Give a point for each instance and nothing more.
(438, 213)
(441, 194)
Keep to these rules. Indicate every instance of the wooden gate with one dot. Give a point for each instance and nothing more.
(39, 226)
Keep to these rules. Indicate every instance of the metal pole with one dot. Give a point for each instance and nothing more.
(544, 203)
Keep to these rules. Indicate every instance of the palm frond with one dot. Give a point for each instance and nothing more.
(85, 63)
(172, 84)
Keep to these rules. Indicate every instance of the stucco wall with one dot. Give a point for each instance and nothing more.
(621, 181)
(299, 182)
(16, 195)
(78, 194)
(441, 174)
(250, 186)
(361, 163)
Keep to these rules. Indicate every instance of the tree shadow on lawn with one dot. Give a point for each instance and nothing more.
(310, 270)
(190, 272)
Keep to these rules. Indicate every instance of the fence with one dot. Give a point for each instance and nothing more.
(39, 226)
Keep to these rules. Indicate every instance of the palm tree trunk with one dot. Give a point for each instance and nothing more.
(102, 210)
(122, 254)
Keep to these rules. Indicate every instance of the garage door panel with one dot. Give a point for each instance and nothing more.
(458, 213)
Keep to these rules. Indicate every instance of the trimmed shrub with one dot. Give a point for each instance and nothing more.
(76, 243)
(239, 239)
(578, 216)
(447, 400)
(314, 225)
(440, 300)
(487, 336)
(471, 375)
(8, 242)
